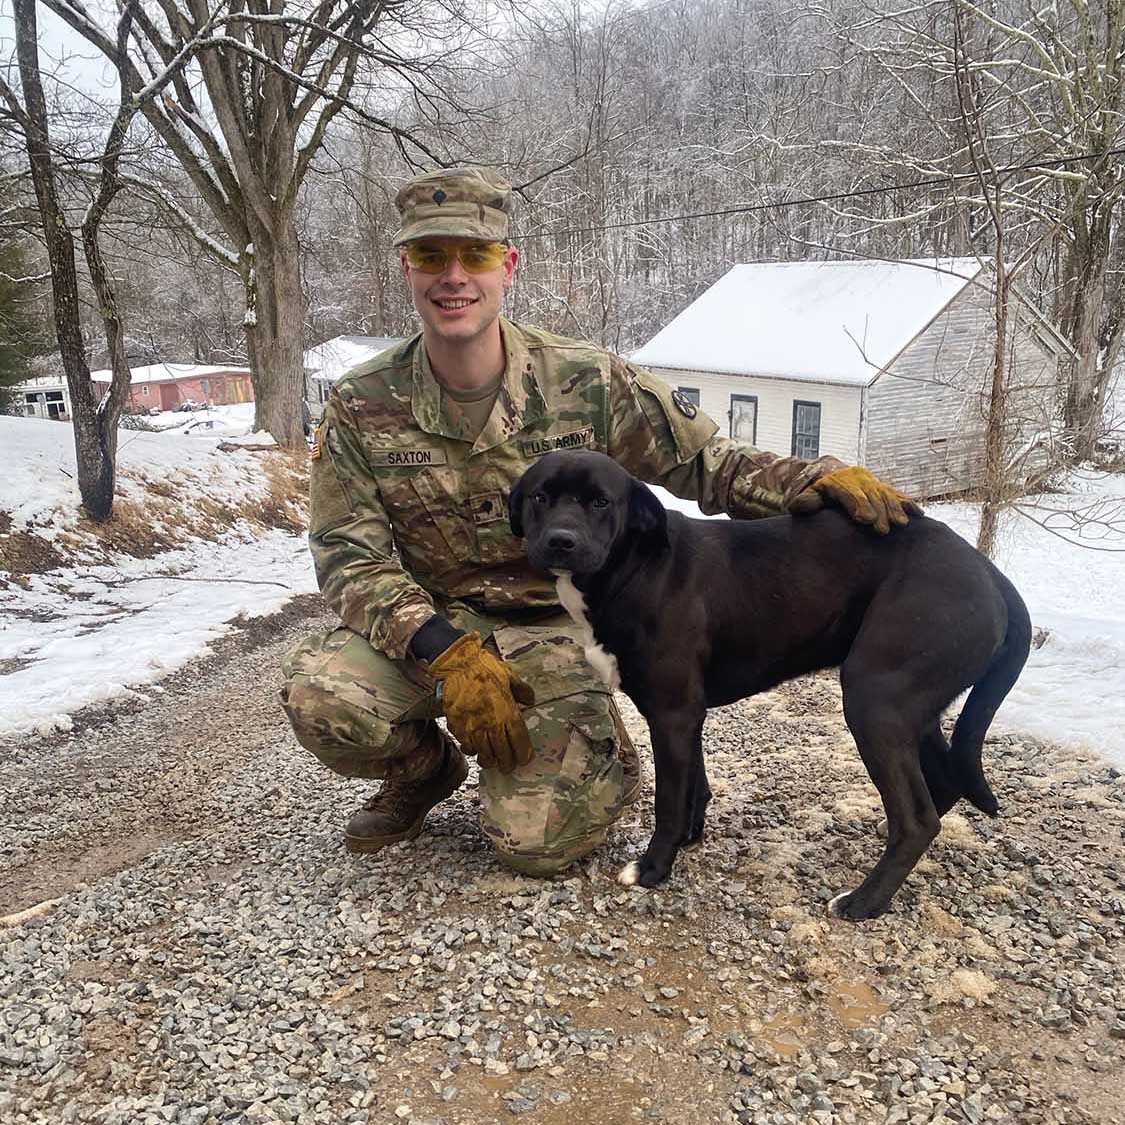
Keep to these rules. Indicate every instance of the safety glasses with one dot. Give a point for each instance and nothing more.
(476, 257)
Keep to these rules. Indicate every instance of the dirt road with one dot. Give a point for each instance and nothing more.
(214, 955)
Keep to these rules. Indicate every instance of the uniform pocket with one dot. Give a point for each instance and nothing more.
(550, 658)
(428, 518)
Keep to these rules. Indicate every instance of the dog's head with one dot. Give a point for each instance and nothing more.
(575, 507)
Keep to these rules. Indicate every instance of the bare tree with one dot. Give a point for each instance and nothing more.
(998, 486)
(1051, 80)
(95, 419)
(252, 90)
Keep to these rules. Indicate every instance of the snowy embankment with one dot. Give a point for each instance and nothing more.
(201, 537)
(1072, 690)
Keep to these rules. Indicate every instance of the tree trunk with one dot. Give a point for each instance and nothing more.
(275, 314)
(94, 446)
(997, 487)
(1085, 392)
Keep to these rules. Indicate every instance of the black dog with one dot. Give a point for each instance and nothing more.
(699, 613)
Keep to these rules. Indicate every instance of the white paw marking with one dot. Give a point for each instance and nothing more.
(833, 905)
(629, 874)
(603, 662)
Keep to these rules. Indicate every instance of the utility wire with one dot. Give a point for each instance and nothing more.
(835, 197)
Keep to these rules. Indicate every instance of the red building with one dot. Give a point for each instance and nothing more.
(167, 385)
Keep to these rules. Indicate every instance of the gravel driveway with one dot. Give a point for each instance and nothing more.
(214, 954)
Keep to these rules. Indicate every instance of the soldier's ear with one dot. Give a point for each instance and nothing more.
(515, 509)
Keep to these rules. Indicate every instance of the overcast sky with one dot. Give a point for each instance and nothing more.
(78, 64)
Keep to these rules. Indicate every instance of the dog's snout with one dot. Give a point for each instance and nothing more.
(562, 540)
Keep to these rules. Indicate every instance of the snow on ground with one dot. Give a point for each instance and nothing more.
(132, 623)
(94, 632)
(89, 632)
(1072, 689)
(39, 490)
(216, 421)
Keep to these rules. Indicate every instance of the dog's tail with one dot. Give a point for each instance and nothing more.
(985, 699)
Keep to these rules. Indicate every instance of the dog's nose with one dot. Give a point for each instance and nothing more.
(560, 540)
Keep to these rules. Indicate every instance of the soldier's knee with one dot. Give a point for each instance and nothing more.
(543, 860)
(330, 709)
(542, 831)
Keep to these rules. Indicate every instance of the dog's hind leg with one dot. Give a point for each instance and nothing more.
(889, 744)
(700, 799)
(938, 769)
(677, 751)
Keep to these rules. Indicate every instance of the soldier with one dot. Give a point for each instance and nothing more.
(417, 452)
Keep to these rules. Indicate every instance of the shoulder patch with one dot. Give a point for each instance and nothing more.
(684, 404)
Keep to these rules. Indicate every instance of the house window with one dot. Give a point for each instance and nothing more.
(806, 430)
(690, 393)
(144, 391)
(205, 387)
(743, 416)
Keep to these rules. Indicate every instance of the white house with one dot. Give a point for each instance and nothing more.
(884, 364)
(333, 359)
(46, 396)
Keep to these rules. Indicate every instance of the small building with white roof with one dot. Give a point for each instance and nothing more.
(326, 363)
(153, 387)
(886, 364)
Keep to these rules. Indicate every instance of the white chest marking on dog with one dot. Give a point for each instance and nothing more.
(604, 663)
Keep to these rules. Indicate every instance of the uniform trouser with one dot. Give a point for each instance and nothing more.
(365, 715)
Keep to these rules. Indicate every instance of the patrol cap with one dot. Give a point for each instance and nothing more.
(465, 202)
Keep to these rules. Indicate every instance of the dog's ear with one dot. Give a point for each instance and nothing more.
(646, 513)
(515, 509)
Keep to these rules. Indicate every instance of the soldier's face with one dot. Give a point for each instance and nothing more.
(455, 304)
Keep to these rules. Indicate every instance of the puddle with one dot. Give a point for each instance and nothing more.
(856, 1004)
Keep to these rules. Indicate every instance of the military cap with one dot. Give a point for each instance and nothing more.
(454, 203)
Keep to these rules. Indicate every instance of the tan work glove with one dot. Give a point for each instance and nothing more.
(861, 494)
(479, 693)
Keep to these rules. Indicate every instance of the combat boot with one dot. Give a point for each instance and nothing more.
(398, 811)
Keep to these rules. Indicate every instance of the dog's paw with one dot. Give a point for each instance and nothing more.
(851, 908)
(629, 874)
(640, 873)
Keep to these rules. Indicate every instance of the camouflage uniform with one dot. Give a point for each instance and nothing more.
(408, 520)
(409, 517)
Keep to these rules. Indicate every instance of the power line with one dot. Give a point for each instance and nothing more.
(835, 197)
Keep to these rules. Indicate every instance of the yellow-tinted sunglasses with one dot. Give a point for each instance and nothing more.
(476, 257)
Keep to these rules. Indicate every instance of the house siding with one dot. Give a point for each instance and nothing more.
(925, 416)
(839, 407)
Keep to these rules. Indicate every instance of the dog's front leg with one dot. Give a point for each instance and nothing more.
(677, 748)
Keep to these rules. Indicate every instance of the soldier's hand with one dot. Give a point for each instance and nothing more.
(862, 495)
(480, 696)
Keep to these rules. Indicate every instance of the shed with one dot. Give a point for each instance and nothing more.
(333, 359)
(880, 363)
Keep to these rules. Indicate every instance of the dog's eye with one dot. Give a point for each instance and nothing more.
(539, 498)
(601, 501)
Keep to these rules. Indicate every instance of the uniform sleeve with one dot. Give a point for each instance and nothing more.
(658, 442)
(351, 541)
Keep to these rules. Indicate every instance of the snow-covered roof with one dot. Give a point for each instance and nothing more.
(832, 322)
(334, 358)
(40, 383)
(170, 372)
